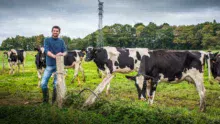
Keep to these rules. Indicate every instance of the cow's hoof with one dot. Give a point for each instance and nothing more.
(107, 92)
(143, 99)
(202, 109)
(150, 97)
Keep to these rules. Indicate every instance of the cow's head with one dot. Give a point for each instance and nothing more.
(140, 83)
(90, 53)
(215, 65)
(82, 53)
(5, 53)
(12, 55)
(41, 56)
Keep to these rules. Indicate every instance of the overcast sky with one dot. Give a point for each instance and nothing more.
(78, 18)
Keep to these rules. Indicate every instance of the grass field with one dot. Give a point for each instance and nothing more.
(20, 100)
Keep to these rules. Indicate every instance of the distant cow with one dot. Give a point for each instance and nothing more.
(170, 66)
(15, 58)
(40, 62)
(215, 65)
(112, 60)
(73, 59)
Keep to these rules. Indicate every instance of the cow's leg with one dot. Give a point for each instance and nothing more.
(75, 72)
(108, 89)
(22, 67)
(103, 74)
(152, 92)
(83, 74)
(201, 90)
(10, 66)
(100, 75)
(39, 77)
(98, 90)
(148, 89)
(143, 91)
(18, 68)
(13, 69)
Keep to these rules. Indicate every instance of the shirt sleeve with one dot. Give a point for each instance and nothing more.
(64, 47)
(46, 46)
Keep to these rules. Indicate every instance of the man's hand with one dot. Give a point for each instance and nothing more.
(60, 54)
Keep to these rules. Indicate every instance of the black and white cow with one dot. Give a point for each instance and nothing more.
(112, 60)
(15, 58)
(215, 65)
(40, 62)
(170, 66)
(73, 59)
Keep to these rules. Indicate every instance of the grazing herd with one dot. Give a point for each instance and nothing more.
(152, 66)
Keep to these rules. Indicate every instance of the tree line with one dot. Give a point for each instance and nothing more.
(194, 37)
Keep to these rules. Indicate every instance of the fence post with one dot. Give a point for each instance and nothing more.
(61, 86)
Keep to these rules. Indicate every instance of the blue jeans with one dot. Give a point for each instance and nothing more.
(47, 74)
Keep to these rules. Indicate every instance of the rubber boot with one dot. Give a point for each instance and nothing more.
(45, 95)
(54, 95)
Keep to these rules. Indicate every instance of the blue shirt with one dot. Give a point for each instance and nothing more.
(54, 45)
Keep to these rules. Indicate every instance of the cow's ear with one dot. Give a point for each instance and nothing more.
(131, 77)
(5, 53)
(83, 51)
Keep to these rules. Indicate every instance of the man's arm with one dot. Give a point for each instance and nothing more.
(47, 49)
(51, 55)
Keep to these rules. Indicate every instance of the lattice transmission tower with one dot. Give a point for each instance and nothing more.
(100, 42)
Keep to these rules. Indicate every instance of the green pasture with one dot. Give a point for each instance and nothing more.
(20, 100)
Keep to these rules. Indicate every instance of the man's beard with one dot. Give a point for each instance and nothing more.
(55, 36)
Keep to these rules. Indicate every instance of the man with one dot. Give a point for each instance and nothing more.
(53, 46)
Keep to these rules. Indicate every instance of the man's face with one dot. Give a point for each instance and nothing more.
(55, 32)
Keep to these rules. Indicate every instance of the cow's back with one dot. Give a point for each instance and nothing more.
(70, 58)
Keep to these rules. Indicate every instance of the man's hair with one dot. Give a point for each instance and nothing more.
(57, 27)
